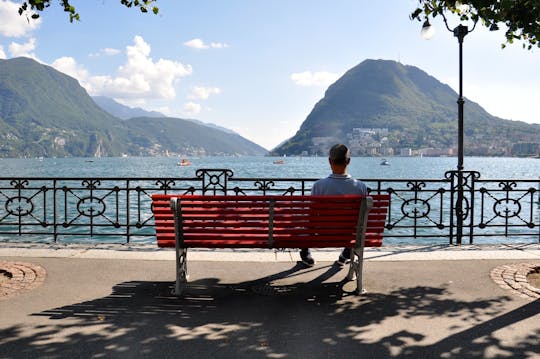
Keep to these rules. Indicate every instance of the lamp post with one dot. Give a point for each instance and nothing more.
(460, 32)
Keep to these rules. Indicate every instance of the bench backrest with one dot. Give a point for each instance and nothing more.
(267, 221)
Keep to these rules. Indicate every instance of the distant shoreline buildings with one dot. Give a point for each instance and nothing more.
(381, 142)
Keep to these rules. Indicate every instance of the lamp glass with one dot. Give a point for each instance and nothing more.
(427, 32)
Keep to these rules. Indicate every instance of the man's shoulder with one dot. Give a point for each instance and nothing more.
(360, 185)
(324, 179)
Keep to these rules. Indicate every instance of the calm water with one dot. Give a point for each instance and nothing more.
(305, 167)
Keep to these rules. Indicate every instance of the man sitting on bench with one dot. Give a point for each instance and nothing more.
(339, 182)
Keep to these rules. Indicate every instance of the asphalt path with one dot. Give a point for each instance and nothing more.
(117, 303)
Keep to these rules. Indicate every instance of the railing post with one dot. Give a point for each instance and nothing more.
(55, 213)
(459, 206)
(451, 176)
(463, 207)
(473, 176)
(128, 229)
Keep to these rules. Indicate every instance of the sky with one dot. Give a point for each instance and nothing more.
(259, 67)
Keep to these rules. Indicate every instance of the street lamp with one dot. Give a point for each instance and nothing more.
(460, 32)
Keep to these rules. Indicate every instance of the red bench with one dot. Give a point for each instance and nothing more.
(189, 221)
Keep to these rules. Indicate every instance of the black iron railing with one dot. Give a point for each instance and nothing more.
(118, 210)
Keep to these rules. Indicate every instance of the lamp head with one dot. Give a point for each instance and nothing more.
(460, 32)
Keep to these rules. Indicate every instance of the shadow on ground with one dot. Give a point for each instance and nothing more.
(261, 319)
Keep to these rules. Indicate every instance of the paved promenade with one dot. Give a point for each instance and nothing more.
(422, 302)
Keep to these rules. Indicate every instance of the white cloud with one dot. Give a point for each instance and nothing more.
(218, 45)
(69, 66)
(202, 93)
(2, 53)
(108, 51)
(199, 44)
(26, 49)
(139, 78)
(11, 23)
(192, 108)
(196, 44)
(309, 78)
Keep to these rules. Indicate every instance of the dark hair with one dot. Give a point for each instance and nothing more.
(339, 154)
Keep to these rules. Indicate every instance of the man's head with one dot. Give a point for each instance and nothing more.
(339, 154)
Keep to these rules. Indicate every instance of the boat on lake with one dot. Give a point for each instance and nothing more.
(385, 162)
(184, 162)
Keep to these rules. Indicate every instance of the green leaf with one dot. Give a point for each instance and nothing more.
(416, 12)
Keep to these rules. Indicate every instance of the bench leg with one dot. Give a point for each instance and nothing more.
(181, 271)
(355, 269)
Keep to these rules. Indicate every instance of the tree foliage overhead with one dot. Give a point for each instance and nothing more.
(521, 17)
(37, 6)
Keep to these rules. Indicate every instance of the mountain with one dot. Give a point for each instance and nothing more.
(125, 112)
(212, 126)
(44, 112)
(187, 137)
(382, 107)
(121, 111)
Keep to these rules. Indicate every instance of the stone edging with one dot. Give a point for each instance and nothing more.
(19, 277)
(514, 277)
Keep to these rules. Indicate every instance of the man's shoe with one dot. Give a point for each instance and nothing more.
(307, 259)
(342, 260)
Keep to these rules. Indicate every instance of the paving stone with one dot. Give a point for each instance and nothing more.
(19, 277)
(514, 278)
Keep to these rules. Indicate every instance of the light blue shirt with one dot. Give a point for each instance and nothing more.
(336, 184)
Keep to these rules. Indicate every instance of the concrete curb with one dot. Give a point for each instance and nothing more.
(151, 252)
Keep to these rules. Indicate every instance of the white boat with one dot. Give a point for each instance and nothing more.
(385, 162)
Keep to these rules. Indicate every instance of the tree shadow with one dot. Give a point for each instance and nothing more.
(262, 319)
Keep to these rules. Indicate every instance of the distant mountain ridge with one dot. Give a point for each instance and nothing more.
(125, 112)
(417, 110)
(121, 111)
(44, 112)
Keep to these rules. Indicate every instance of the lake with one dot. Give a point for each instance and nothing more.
(293, 167)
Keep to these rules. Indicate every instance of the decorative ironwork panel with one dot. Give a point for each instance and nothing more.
(214, 181)
(417, 209)
(24, 206)
(508, 208)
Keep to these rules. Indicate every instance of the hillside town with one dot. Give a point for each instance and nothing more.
(383, 142)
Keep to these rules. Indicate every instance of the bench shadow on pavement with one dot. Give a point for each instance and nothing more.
(260, 319)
